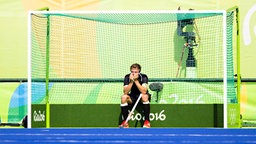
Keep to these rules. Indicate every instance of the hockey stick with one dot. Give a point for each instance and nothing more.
(131, 112)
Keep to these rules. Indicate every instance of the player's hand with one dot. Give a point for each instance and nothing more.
(136, 76)
(131, 77)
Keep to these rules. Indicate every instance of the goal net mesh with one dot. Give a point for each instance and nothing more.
(83, 57)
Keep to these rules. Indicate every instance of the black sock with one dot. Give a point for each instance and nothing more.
(124, 110)
(146, 109)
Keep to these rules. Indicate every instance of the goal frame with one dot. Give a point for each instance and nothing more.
(223, 12)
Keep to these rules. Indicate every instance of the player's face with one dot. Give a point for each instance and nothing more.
(135, 71)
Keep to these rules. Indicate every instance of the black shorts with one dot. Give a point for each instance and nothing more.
(135, 98)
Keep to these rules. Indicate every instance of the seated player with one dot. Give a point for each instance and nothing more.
(135, 84)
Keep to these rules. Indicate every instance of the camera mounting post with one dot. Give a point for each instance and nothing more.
(190, 38)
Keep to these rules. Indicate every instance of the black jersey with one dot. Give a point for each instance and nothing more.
(143, 79)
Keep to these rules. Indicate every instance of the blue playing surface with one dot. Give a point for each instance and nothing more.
(131, 135)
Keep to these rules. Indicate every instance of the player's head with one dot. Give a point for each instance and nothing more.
(135, 68)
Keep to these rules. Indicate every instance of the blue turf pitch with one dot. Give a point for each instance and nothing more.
(131, 135)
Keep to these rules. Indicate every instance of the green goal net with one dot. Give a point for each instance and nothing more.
(81, 57)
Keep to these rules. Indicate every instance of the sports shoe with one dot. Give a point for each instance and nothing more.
(124, 125)
(146, 124)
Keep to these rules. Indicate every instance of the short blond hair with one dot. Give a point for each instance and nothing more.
(135, 65)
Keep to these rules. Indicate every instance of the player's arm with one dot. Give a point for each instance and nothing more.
(128, 82)
(127, 88)
(142, 88)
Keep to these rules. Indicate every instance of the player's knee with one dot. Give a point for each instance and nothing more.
(124, 98)
(144, 97)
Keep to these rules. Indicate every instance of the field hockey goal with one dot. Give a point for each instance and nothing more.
(81, 57)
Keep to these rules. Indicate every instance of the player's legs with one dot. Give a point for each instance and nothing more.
(125, 101)
(145, 98)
